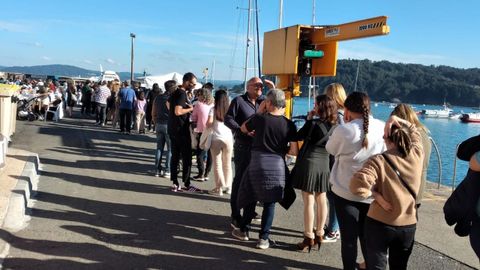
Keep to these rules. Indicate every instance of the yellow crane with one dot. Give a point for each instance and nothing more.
(309, 50)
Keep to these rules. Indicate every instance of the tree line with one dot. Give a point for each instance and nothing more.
(410, 83)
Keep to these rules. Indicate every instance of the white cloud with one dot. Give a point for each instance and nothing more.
(110, 61)
(87, 61)
(366, 50)
(46, 58)
(14, 27)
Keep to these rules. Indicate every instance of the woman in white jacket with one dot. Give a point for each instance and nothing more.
(352, 144)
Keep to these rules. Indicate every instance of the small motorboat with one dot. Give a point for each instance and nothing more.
(470, 117)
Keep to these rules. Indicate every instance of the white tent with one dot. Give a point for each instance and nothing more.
(161, 79)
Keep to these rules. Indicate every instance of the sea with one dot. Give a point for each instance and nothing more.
(446, 133)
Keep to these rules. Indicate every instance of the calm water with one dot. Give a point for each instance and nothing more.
(446, 133)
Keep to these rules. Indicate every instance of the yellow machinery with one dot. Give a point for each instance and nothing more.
(304, 50)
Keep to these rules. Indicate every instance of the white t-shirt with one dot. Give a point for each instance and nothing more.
(219, 130)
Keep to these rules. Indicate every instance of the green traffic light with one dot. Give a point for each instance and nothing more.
(313, 54)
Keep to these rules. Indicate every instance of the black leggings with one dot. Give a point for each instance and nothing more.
(383, 239)
(351, 219)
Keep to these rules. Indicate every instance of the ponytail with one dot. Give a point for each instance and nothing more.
(366, 114)
(358, 102)
(400, 136)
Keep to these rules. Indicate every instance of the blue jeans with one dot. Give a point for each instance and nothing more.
(267, 218)
(162, 138)
(332, 225)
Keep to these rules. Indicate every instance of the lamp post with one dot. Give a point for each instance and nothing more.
(132, 35)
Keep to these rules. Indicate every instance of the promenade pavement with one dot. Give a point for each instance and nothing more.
(99, 206)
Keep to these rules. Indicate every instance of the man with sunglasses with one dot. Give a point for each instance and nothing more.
(179, 133)
(241, 109)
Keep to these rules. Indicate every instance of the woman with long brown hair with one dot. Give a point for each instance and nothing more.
(406, 112)
(312, 170)
(221, 148)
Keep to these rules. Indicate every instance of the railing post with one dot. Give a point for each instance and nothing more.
(454, 168)
(439, 163)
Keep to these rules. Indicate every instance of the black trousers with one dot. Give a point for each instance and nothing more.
(241, 158)
(181, 148)
(383, 239)
(351, 219)
(125, 120)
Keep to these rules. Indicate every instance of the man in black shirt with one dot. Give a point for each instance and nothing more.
(179, 132)
(241, 109)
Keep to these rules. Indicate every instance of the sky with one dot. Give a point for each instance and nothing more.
(190, 35)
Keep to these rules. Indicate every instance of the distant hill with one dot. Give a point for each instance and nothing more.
(411, 83)
(58, 70)
(61, 70)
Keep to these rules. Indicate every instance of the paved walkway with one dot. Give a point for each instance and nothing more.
(98, 207)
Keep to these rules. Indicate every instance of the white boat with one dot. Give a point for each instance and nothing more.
(455, 116)
(443, 113)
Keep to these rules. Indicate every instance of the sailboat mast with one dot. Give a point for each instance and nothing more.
(280, 15)
(247, 46)
(311, 81)
(356, 76)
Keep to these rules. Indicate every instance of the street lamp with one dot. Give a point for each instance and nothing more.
(132, 35)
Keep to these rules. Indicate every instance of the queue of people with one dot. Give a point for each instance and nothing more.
(365, 176)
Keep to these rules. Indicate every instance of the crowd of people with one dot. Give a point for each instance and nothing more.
(365, 176)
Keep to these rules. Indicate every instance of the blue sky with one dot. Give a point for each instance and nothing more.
(187, 35)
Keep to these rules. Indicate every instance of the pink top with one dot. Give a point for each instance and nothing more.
(140, 105)
(200, 115)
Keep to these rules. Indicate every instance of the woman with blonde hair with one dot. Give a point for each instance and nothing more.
(115, 112)
(336, 92)
(405, 112)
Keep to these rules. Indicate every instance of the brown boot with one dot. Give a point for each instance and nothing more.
(305, 245)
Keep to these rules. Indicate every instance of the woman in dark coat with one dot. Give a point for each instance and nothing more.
(264, 181)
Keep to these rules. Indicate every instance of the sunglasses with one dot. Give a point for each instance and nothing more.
(257, 85)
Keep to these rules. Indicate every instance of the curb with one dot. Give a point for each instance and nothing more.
(22, 195)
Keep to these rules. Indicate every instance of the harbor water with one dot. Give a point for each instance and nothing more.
(447, 134)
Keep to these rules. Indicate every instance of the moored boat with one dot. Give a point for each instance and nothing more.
(470, 117)
(443, 113)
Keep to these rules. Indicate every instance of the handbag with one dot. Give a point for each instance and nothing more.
(206, 139)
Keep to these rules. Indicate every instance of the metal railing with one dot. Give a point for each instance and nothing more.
(455, 168)
(439, 162)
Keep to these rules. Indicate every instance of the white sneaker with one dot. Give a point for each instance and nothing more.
(166, 175)
(242, 236)
(228, 191)
(263, 243)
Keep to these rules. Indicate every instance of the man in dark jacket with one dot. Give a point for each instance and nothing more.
(462, 206)
(241, 109)
(160, 113)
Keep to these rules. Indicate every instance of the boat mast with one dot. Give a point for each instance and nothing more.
(280, 15)
(247, 46)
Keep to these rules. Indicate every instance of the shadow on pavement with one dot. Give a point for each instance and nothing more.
(161, 239)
